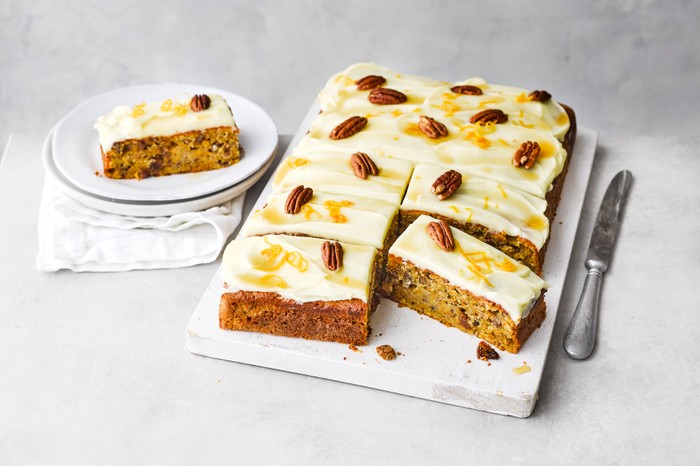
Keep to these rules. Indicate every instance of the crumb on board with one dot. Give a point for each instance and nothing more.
(354, 348)
(386, 352)
(485, 352)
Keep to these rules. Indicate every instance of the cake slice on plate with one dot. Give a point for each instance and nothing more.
(168, 137)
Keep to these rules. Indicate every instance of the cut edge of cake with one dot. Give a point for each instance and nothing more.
(477, 297)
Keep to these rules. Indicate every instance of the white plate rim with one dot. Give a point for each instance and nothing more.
(74, 134)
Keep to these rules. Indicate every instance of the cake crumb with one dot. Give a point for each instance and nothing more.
(386, 352)
(469, 361)
(485, 352)
(345, 358)
(399, 353)
(354, 348)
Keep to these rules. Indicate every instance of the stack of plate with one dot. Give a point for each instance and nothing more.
(72, 158)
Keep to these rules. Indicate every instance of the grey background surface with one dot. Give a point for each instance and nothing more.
(626, 67)
(109, 387)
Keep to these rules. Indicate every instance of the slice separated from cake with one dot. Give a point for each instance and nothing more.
(168, 137)
(299, 287)
(508, 219)
(462, 282)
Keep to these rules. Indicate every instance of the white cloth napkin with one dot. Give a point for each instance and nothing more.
(76, 237)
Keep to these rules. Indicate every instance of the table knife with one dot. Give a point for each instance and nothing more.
(579, 339)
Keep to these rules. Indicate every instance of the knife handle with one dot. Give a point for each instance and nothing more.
(579, 339)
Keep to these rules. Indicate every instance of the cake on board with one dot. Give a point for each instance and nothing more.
(483, 162)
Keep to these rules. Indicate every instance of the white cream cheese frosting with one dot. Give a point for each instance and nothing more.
(292, 266)
(162, 118)
(332, 172)
(473, 266)
(340, 217)
(478, 200)
(485, 150)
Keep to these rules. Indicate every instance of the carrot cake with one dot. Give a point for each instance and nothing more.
(299, 287)
(508, 219)
(347, 178)
(440, 123)
(462, 282)
(168, 137)
(339, 217)
(357, 173)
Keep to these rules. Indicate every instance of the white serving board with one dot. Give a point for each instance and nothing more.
(434, 358)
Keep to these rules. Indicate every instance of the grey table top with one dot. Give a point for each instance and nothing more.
(94, 367)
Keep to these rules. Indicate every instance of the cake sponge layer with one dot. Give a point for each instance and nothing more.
(189, 152)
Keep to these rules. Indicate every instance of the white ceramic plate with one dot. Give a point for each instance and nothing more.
(76, 148)
(144, 208)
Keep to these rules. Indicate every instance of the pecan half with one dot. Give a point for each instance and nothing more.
(386, 96)
(332, 255)
(200, 102)
(370, 82)
(441, 233)
(297, 198)
(539, 96)
(431, 127)
(526, 155)
(466, 89)
(485, 352)
(446, 184)
(362, 165)
(349, 127)
(489, 115)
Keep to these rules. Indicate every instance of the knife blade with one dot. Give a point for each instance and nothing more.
(579, 339)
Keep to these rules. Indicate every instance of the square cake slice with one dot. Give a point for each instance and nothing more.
(168, 137)
(462, 282)
(355, 173)
(299, 287)
(303, 211)
(508, 219)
